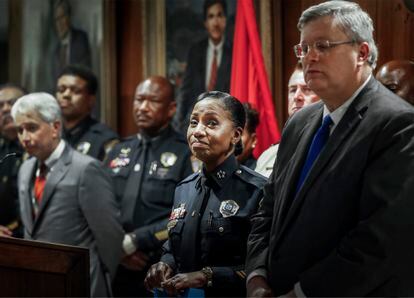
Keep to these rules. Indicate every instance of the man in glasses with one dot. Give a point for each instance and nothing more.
(10, 160)
(336, 219)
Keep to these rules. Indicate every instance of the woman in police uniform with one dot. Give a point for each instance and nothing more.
(210, 220)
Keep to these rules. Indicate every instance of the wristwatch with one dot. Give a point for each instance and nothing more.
(208, 272)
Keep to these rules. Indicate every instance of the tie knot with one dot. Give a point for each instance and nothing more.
(327, 121)
(42, 169)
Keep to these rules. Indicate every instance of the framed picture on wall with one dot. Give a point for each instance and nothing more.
(56, 33)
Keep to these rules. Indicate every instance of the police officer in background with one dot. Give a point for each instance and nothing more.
(76, 93)
(146, 168)
(210, 222)
(11, 158)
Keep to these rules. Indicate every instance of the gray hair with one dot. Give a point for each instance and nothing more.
(352, 20)
(44, 104)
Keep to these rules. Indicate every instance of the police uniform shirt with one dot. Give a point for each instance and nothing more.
(91, 137)
(146, 204)
(218, 238)
(9, 168)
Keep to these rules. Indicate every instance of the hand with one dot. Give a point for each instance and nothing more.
(157, 274)
(196, 279)
(136, 261)
(258, 287)
(5, 232)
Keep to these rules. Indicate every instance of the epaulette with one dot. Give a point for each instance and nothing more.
(189, 178)
(102, 129)
(250, 176)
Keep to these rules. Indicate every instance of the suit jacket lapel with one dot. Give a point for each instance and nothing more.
(26, 200)
(59, 171)
(349, 121)
(295, 164)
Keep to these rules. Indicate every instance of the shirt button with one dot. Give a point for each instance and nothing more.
(221, 229)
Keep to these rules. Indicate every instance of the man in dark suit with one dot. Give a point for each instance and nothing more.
(66, 197)
(208, 62)
(73, 45)
(336, 218)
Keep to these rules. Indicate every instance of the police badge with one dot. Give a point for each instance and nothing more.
(168, 159)
(228, 208)
(83, 147)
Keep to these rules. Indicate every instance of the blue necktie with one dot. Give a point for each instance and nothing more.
(318, 142)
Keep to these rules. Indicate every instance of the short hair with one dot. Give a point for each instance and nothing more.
(65, 6)
(350, 18)
(252, 117)
(209, 3)
(233, 106)
(44, 104)
(14, 86)
(84, 73)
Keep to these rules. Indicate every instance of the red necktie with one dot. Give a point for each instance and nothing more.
(213, 72)
(40, 182)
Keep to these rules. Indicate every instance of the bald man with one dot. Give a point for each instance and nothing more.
(9, 166)
(146, 168)
(299, 96)
(398, 76)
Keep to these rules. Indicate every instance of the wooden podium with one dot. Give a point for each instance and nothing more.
(32, 268)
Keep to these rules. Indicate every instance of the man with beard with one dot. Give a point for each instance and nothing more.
(146, 167)
(10, 154)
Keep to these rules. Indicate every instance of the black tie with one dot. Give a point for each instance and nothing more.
(130, 202)
(191, 245)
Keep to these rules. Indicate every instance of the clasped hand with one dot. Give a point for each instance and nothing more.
(161, 275)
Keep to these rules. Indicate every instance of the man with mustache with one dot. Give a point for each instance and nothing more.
(146, 167)
(9, 167)
(208, 62)
(76, 92)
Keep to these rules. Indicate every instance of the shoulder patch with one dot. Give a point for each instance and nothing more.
(250, 176)
(188, 179)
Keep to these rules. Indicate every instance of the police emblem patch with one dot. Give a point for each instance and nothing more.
(228, 208)
(83, 147)
(168, 159)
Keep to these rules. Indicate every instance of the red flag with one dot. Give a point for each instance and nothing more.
(249, 81)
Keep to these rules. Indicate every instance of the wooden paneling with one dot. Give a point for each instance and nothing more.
(130, 62)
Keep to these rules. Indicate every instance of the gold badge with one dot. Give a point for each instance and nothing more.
(83, 147)
(168, 159)
(228, 208)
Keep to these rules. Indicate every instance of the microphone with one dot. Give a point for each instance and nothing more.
(12, 154)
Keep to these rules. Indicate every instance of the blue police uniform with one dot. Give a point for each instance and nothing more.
(145, 173)
(91, 137)
(210, 223)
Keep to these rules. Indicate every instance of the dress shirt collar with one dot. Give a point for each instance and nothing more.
(212, 46)
(56, 155)
(337, 115)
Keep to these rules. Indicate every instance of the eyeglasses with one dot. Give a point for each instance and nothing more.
(320, 46)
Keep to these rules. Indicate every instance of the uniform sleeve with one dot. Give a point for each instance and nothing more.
(151, 237)
(97, 200)
(167, 256)
(381, 243)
